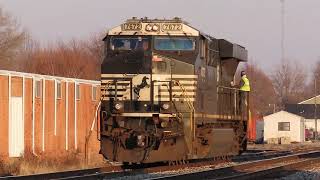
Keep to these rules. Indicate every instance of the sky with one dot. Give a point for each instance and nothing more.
(254, 24)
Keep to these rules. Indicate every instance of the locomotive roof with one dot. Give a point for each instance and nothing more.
(120, 30)
(145, 26)
(164, 27)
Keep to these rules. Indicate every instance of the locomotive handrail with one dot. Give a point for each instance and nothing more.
(237, 108)
(105, 90)
(184, 94)
(170, 88)
(231, 88)
(191, 113)
(114, 82)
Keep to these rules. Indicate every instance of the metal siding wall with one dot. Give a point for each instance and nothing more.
(76, 115)
(94, 144)
(66, 114)
(61, 119)
(81, 128)
(4, 109)
(84, 109)
(16, 83)
(21, 133)
(50, 140)
(28, 114)
(43, 119)
(16, 128)
(71, 113)
(38, 123)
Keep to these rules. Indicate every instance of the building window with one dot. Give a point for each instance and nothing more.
(284, 126)
(94, 93)
(38, 89)
(59, 90)
(78, 92)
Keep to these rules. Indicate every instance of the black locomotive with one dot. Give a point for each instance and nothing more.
(166, 94)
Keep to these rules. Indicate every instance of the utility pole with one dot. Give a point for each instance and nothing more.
(274, 108)
(282, 28)
(315, 109)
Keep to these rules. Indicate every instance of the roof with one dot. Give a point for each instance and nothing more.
(136, 26)
(306, 110)
(313, 100)
(282, 112)
(47, 77)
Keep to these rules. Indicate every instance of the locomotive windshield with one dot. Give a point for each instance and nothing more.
(174, 44)
(132, 43)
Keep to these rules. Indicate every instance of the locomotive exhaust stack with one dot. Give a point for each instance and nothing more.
(166, 95)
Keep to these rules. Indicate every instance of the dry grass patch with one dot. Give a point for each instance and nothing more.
(44, 163)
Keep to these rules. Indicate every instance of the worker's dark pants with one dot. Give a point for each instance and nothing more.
(243, 103)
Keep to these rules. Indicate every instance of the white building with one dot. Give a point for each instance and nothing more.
(259, 131)
(308, 111)
(284, 127)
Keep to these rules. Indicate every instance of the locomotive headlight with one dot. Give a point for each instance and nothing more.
(155, 28)
(165, 106)
(118, 106)
(140, 137)
(148, 27)
(164, 124)
(140, 140)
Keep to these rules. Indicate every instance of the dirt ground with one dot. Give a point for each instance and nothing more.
(284, 147)
(32, 164)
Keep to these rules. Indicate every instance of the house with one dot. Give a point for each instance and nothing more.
(310, 110)
(284, 127)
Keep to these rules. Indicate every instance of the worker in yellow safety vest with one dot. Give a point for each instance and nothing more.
(244, 82)
(244, 91)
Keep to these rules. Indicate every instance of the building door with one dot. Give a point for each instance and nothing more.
(16, 128)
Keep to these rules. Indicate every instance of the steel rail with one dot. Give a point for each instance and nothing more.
(120, 171)
(57, 175)
(247, 157)
(243, 171)
(274, 172)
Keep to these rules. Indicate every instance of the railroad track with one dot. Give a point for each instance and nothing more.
(261, 169)
(120, 171)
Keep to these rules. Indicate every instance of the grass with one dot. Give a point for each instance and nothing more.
(44, 163)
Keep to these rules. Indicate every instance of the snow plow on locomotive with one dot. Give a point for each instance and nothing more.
(166, 94)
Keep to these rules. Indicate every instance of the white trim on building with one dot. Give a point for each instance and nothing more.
(311, 100)
(47, 77)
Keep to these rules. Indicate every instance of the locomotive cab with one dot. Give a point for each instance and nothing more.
(160, 101)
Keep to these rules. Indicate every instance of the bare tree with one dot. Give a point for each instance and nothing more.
(314, 85)
(95, 46)
(289, 81)
(11, 40)
(76, 58)
(24, 58)
(68, 59)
